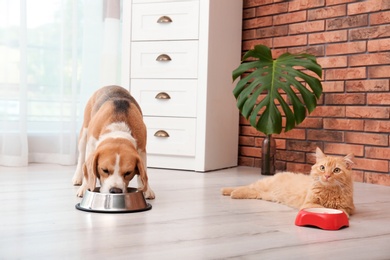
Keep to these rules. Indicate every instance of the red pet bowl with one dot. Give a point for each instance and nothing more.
(324, 218)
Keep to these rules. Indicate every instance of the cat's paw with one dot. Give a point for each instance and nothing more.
(244, 193)
(346, 213)
(311, 205)
(226, 191)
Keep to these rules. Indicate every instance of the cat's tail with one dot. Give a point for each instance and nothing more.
(227, 191)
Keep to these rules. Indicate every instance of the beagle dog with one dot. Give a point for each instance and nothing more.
(112, 144)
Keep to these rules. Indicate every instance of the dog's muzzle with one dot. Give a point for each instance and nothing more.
(115, 190)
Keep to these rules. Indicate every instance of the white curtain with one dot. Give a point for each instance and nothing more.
(53, 55)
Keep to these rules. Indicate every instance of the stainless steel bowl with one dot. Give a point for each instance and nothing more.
(132, 201)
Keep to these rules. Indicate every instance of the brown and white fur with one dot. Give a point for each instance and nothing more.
(112, 144)
(329, 185)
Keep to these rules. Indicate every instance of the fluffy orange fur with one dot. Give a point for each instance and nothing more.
(329, 185)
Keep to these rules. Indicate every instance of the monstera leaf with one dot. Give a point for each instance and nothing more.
(260, 93)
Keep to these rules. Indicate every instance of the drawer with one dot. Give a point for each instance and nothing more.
(180, 139)
(165, 21)
(169, 59)
(177, 97)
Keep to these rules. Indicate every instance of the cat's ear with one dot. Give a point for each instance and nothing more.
(349, 160)
(319, 154)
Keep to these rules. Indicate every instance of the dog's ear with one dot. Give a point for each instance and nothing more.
(142, 174)
(91, 171)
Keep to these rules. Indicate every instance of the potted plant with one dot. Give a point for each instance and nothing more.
(271, 87)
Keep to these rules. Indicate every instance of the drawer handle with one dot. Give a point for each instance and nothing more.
(161, 133)
(164, 19)
(162, 95)
(163, 57)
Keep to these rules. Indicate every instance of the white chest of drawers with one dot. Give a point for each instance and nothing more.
(178, 56)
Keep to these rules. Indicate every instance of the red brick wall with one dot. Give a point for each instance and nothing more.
(351, 40)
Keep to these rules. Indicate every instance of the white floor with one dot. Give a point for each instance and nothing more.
(189, 220)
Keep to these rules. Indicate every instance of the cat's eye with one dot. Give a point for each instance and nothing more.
(336, 170)
(322, 168)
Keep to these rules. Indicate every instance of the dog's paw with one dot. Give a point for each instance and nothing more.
(77, 176)
(81, 191)
(149, 194)
(76, 181)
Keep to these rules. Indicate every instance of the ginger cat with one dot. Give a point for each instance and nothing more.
(329, 185)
